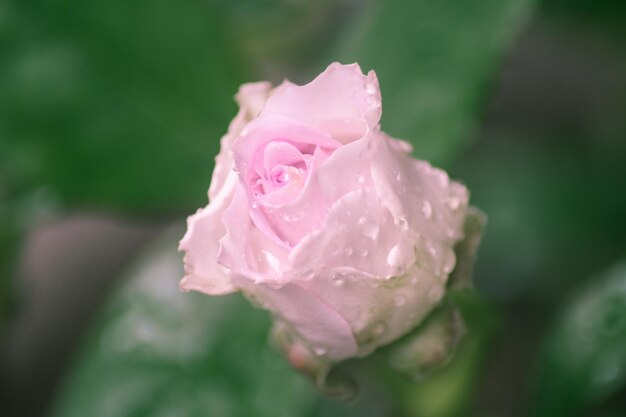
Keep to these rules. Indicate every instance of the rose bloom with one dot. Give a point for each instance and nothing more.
(320, 217)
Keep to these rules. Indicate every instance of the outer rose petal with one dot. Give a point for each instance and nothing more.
(341, 101)
(423, 200)
(247, 250)
(201, 245)
(205, 228)
(310, 316)
(251, 99)
(363, 267)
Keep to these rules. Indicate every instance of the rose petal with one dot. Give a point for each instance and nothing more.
(363, 266)
(246, 249)
(378, 311)
(320, 326)
(359, 233)
(201, 244)
(251, 98)
(341, 102)
(423, 200)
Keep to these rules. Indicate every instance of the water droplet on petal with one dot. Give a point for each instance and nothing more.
(348, 250)
(432, 250)
(371, 229)
(402, 222)
(454, 203)
(255, 204)
(360, 178)
(435, 293)
(319, 351)
(363, 252)
(362, 220)
(442, 177)
(378, 329)
(393, 257)
(449, 261)
(307, 274)
(427, 209)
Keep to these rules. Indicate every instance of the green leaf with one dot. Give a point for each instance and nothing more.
(114, 103)
(583, 360)
(466, 249)
(448, 392)
(434, 60)
(154, 351)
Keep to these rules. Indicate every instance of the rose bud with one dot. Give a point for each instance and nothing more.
(323, 219)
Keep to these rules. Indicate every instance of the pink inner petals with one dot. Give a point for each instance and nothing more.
(281, 169)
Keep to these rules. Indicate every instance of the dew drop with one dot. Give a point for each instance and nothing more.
(442, 177)
(402, 222)
(362, 220)
(449, 261)
(398, 176)
(432, 250)
(454, 203)
(371, 230)
(255, 204)
(363, 252)
(427, 209)
(378, 329)
(435, 293)
(393, 257)
(348, 250)
(360, 178)
(319, 351)
(307, 274)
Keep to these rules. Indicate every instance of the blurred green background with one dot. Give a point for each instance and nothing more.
(110, 116)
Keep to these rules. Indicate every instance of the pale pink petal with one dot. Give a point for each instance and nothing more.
(378, 311)
(251, 98)
(424, 200)
(292, 213)
(325, 330)
(248, 250)
(201, 245)
(359, 233)
(341, 102)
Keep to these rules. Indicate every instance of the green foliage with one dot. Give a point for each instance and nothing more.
(119, 105)
(155, 351)
(583, 362)
(448, 391)
(114, 103)
(434, 60)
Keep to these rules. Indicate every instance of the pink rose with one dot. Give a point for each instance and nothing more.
(323, 219)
